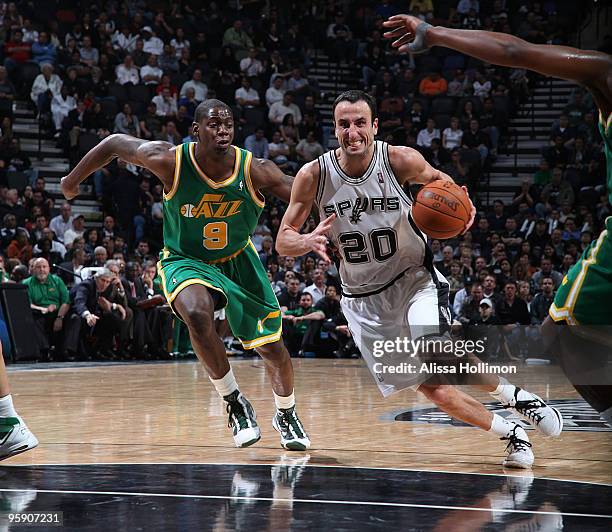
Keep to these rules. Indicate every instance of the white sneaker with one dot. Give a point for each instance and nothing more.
(244, 488)
(519, 451)
(292, 433)
(531, 408)
(511, 495)
(242, 420)
(289, 470)
(15, 437)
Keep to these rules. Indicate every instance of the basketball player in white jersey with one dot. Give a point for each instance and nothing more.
(390, 287)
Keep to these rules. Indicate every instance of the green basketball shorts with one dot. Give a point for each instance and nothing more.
(585, 296)
(251, 307)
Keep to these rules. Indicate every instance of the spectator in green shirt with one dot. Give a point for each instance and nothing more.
(238, 40)
(297, 322)
(543, 175)
(49, 302)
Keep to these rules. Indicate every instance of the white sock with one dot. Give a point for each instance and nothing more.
(504, 392)
(6, 407)
(225, 385)
(282, 403)
(500, 427)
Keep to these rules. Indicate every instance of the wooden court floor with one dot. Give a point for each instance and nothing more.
(146, 447)
(170, 413)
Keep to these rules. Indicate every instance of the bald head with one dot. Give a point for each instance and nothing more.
(40, 269)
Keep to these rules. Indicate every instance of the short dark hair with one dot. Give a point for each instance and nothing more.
(354, 96)
(203, 108)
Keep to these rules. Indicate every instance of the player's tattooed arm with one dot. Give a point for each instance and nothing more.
(156, 156)
(268, 177)
(289, 241)
(410, 167)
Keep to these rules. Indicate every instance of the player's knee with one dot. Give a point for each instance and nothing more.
(199, 317)
(274, 353)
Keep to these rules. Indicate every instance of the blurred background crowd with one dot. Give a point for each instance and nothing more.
(76, 71)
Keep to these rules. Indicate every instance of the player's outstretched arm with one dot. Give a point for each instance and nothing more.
(587, 67)
(411, 167)
(156, 156)
(269, 177)
(289, 241)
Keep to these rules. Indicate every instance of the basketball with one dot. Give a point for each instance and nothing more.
(441, 210)
(187, 210)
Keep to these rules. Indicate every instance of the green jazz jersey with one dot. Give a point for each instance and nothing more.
(208, 220)
(605, 128)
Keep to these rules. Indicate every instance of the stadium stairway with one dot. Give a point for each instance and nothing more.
(51, 163)
(531, 132)
(331, 79)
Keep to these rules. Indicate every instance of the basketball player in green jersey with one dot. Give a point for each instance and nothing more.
(212, 202)
(585, 296)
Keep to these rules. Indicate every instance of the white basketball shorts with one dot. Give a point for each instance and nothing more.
(383, 324)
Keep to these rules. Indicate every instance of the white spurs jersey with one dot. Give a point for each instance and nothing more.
(373, 229)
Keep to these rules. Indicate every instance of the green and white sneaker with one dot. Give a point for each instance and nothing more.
(15, 437)
(242, 420)
(292, 433)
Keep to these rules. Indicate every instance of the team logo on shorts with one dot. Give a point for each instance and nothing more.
(188, 210)
(578, 416)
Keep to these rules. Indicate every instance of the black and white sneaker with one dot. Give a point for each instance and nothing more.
(292, 433)
(519, 451)
(532, 408)
(242, 420)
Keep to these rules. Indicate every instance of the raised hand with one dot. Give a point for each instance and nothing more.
(403, 29)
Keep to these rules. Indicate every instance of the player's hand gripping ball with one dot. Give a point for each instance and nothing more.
(442, 209)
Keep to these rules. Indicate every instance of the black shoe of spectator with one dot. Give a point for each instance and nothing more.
(106, 354)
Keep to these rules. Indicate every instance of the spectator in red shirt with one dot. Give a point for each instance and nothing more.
(433, 85)
(16, 53)
(16, 49)
(20, 248)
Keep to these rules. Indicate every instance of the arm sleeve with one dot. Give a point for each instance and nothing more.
(63, 291)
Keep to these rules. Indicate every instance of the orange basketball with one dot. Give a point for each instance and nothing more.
(441, 210)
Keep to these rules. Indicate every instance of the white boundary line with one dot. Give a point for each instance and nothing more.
(315, 501)
(259, 464)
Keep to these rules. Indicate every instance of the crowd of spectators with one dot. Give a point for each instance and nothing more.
(126, 67)
(95, 304)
